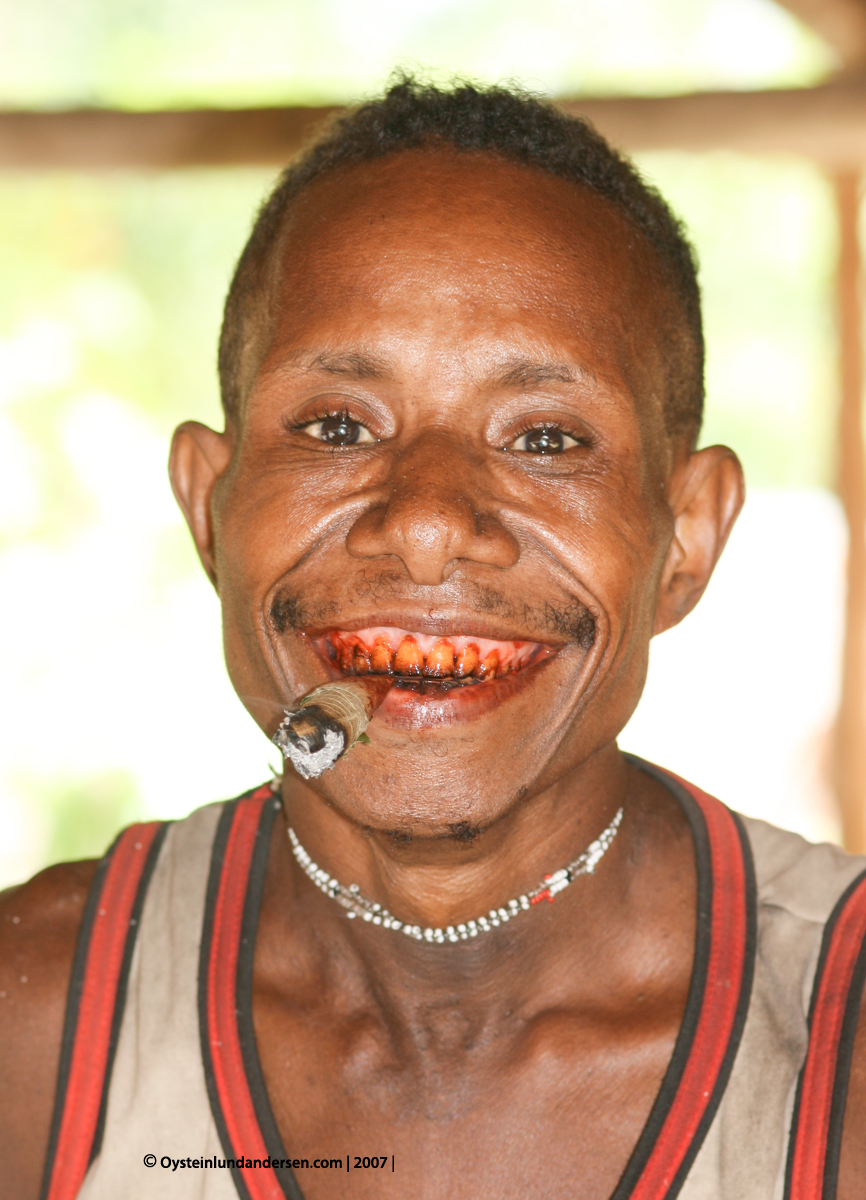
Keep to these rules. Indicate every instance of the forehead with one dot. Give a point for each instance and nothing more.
(456, 258)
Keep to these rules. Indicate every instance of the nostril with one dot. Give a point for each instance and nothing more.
(431, 529)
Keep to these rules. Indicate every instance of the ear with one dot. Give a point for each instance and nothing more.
(198, 458)
(706, 494)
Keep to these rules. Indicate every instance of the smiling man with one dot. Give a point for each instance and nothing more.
(462, 370)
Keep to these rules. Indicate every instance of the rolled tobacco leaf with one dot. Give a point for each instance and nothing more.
(327, 722)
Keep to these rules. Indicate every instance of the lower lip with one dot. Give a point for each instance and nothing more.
(432, 707)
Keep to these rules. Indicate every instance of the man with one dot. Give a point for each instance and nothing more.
(462, 371)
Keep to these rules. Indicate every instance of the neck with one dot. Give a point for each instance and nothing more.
(438, 881)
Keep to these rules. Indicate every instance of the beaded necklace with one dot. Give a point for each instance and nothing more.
(357, 905)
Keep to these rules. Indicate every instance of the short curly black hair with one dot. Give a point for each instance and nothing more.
(510, 124)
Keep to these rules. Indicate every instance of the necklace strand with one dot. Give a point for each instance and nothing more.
(357, 905)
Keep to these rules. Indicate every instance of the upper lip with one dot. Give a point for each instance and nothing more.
(452, 624)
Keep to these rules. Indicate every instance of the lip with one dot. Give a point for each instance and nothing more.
(434, 707)
(444, 622)
(453, 677)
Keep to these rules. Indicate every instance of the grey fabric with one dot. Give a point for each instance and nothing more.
(158, 1102)
(743, 1156)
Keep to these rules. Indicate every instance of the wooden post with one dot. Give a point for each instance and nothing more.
(850, 764)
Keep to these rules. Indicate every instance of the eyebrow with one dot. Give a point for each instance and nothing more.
(519, 373)
(351, 364)
(525, 373)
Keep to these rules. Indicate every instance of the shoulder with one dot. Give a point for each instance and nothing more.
(805, 879)
(39, 923)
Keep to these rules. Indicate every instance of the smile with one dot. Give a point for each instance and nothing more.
(415, 659)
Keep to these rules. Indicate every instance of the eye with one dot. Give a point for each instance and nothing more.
(544, 440)
(339, 430)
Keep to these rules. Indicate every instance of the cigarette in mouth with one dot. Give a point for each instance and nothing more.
(327, 722)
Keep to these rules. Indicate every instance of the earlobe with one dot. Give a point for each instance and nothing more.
(706, 496)
(198, 458)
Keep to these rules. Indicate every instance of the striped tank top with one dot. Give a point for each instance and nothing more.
(159, 1054)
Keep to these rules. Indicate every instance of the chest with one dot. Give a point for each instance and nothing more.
(459, 1107)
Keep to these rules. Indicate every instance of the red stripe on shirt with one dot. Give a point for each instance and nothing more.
(809, 1142)
(724, 980)
(229, 1074)
(84, 1088)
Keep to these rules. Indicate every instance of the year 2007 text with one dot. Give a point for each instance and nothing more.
(359, 1162)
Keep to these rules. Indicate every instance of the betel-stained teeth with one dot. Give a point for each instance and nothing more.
(406, 656)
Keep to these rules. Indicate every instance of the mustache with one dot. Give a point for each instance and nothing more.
(570, 619)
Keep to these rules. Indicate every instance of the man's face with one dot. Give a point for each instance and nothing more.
(452, 466)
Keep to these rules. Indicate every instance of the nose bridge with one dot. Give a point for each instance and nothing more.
(431, 508)
(436, 469)
(436, 512)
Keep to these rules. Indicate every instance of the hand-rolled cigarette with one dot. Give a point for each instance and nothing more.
(328, 721)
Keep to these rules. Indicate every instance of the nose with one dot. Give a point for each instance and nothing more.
(434, 515)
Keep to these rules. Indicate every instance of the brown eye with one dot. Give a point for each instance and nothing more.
(544, 440)
(339, 431)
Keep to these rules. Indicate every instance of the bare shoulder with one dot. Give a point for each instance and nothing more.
(39, 923)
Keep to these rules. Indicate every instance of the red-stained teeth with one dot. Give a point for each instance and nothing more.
(389, 651)
(381, 657)
(409, 659)
(467, 661)
(440, 660)
(489, 666)
(346, 658)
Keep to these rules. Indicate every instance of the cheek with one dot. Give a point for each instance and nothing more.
(611, 535)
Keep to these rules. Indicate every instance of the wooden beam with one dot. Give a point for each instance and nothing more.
(96, 138)
(850, 764)
(825, 123)
(841, 23)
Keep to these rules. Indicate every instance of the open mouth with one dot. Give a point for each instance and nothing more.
(422, 662)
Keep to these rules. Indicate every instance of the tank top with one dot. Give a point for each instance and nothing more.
(159, 1056)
